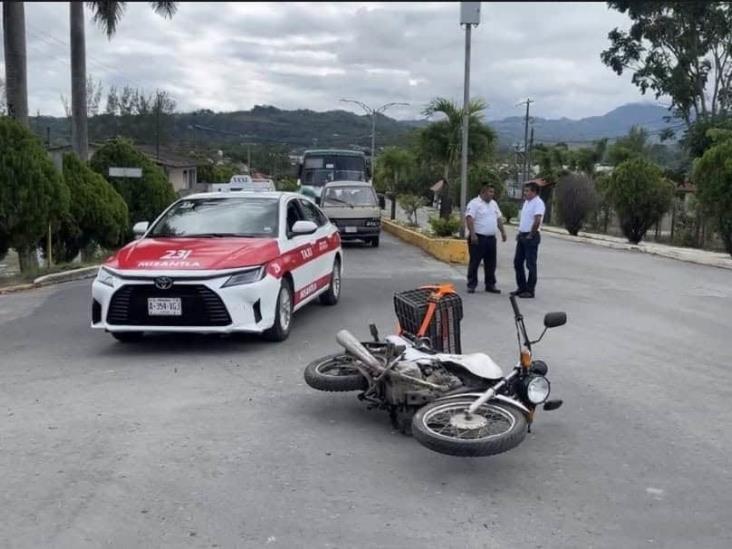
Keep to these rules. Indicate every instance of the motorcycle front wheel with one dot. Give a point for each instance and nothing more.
(445, 427)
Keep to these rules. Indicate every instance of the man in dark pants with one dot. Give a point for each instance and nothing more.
(527, 241)
(484, 219)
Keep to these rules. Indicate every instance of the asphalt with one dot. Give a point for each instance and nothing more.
(211, 442)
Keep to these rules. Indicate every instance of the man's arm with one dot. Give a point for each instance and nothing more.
(471, 228)
(536, 225)
(500, 228)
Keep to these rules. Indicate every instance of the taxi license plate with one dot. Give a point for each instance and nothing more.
(351, 229)
(164, 306)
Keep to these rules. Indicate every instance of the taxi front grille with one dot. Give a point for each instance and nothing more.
(199, 306)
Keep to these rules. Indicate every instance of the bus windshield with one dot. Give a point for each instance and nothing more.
(321, 169)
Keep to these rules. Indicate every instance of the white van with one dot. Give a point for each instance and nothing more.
(354, 208)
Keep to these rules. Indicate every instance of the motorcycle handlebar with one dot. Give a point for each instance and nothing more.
(516, 311)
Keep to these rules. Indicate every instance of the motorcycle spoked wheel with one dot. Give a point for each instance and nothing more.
(444, 427)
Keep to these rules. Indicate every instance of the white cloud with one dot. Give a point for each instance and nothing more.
(232, 56)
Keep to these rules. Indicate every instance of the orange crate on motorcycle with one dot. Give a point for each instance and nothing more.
(434, 312)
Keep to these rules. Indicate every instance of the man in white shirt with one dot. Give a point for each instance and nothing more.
(527, 241)
(484, 219)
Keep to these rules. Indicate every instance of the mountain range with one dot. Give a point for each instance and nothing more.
(299, 129)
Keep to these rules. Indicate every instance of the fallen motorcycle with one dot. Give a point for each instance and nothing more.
(455, 404)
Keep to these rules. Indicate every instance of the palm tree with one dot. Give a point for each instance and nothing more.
(441, 141)
(16, 81)
(107, 14)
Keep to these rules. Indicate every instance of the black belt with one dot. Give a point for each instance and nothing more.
(486, 235)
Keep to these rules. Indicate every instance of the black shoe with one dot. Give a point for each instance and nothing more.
(493, 290)
(526, 295)
(516, 292)
(471, 290)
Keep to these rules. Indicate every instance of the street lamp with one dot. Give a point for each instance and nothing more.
(373, 112)
(469, 16)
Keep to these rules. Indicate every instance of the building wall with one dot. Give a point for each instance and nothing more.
(181, 178)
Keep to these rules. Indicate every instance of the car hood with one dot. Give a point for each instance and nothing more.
(194, 253)
(346, 212)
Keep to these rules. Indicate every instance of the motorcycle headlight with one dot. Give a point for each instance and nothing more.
(537, 389)
(254, 274)
(105, 277)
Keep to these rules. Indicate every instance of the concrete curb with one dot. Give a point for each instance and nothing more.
(447, 250)
(55, 278)
(711, 259)
(66, 276)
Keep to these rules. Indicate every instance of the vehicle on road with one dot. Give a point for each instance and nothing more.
(322, 166)
(221, 263)
(455, 404)
(353, 207)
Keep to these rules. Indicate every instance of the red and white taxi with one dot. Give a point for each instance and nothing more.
(221, 263)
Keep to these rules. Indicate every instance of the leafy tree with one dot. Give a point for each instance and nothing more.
(633, 145)
(395, 167)
(146, 197)
(551, 160)
(411, 203)
(640, 195)
(97, 213)
(108, 15)
(680, 50)
(713, 177)
(481, 175)
(509, 209)
(441, 141)
(32, 193)
(697, 139)
(576, 200)
(287, 184)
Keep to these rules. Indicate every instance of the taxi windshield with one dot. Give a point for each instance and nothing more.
(219, 217)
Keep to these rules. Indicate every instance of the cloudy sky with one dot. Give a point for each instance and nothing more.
(232, 56)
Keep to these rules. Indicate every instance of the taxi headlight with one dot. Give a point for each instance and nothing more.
(374, 222)
(537, 389)
(106, 277)
(254, 274)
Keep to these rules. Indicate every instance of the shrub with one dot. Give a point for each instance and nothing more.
(410, 203)
(445, 227)
(146, 196)
(713, 176)
(576, 200)
(32, 193)
(287, 185)
(509, 209)
(640, 196)
(97, 213)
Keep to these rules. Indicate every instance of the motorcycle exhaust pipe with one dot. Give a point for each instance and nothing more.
(349, 342)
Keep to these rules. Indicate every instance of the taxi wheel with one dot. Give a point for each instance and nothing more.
(375, 242)
(331, 296)
(283, 314)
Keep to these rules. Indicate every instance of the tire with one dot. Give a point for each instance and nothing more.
(375, 242)
(429, 417)
(333, 294)
(283, 319)
(127, 337)
(334, 373)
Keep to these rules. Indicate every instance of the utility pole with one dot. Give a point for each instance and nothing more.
(529, 153)
(525, 173)
(469, 16)
(373, 112)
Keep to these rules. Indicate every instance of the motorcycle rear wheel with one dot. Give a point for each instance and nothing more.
(335, 373)
(444, 427)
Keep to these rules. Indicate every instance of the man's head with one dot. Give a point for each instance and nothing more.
(531, 190)
(487, 192)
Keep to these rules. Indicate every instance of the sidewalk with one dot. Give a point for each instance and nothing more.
(690, 255)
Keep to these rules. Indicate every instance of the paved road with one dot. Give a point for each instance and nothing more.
(210, 442)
